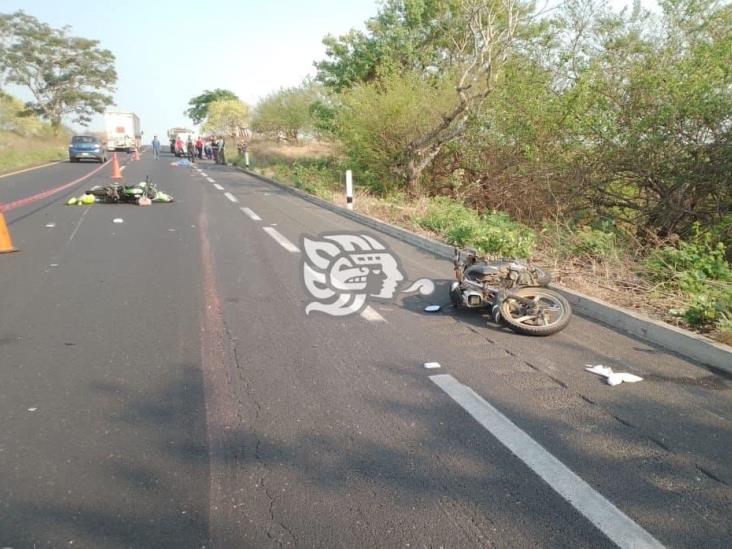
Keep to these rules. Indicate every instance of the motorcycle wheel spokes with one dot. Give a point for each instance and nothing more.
(545, 312)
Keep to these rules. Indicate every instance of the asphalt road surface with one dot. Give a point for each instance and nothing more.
(161, 385)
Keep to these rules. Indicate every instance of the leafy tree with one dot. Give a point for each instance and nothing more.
(199, 105)
(465, 43)
(653, 108)
(227, 117)
(376, 123)
(67, 75)
(287, 111)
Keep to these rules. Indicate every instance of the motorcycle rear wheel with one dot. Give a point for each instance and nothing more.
(548, 313)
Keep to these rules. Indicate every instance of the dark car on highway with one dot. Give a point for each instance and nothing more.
(87, 147)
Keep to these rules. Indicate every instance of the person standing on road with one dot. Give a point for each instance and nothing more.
(191, 150)
(207, 148)
(222, 156)
(215, 150)
(156, 147)
(199, 147)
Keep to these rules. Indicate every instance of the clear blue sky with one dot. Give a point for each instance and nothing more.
(169, 51)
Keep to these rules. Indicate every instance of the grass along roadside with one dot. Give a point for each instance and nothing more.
(687, 284)
(18, 152)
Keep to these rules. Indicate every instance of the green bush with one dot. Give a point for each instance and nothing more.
(594, 243)
(492, 233)
(699, 269)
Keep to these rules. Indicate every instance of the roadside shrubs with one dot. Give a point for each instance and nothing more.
(697, 268)
(493, 233)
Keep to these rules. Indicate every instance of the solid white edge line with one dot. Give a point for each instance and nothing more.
(231, 198)
(610, 520)
(281, 240)
(371, 315)
(219, 187)
(210, 180)
(251, 214)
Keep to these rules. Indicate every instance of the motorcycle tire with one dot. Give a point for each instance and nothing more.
(527, 322)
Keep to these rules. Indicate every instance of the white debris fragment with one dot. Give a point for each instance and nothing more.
(613, 378)
(32, 409)
(118, 220)
(50, 225)
(431, 365)
(432, 309)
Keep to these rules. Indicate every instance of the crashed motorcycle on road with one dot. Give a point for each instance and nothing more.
(133, 194)
(517, 294)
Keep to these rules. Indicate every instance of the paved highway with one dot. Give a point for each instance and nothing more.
(162, 386)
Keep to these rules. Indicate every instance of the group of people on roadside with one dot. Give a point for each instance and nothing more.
(214, 147)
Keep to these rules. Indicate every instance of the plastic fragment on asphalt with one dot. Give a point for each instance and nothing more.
(118, 220)
(50, 225)
(431, 365)
(32, 409)
(432, 309)
(613, 378)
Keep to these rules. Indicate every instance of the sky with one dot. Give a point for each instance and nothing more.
(170, 51)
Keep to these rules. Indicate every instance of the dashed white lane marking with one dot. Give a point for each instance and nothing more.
(231, 198)
(251, 214)
(203, 174)
(599, 511)
(210, 180)
(371, 315)
(219, 187)
(281, 240)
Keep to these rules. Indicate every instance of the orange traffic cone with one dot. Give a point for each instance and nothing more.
(6, 243)
(116, 173)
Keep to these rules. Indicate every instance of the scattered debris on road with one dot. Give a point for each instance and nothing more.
(613, 378)
(142, 194)
(431, 365)
(118, 220)
(432, 309)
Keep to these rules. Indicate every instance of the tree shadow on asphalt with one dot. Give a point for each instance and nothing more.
(440, 459)
(141, 494)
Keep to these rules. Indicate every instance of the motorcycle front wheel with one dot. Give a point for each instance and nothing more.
(545, 313)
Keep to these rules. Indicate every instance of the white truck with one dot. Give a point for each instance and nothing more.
(123, 131)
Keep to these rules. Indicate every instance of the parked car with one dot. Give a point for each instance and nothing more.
(86, 147)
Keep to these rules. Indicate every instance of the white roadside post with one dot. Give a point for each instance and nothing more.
(349, 189)
(246, 158)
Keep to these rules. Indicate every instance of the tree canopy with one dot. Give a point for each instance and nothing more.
(287, 111)
(199, 105)
(227, 117)
(67, 75)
